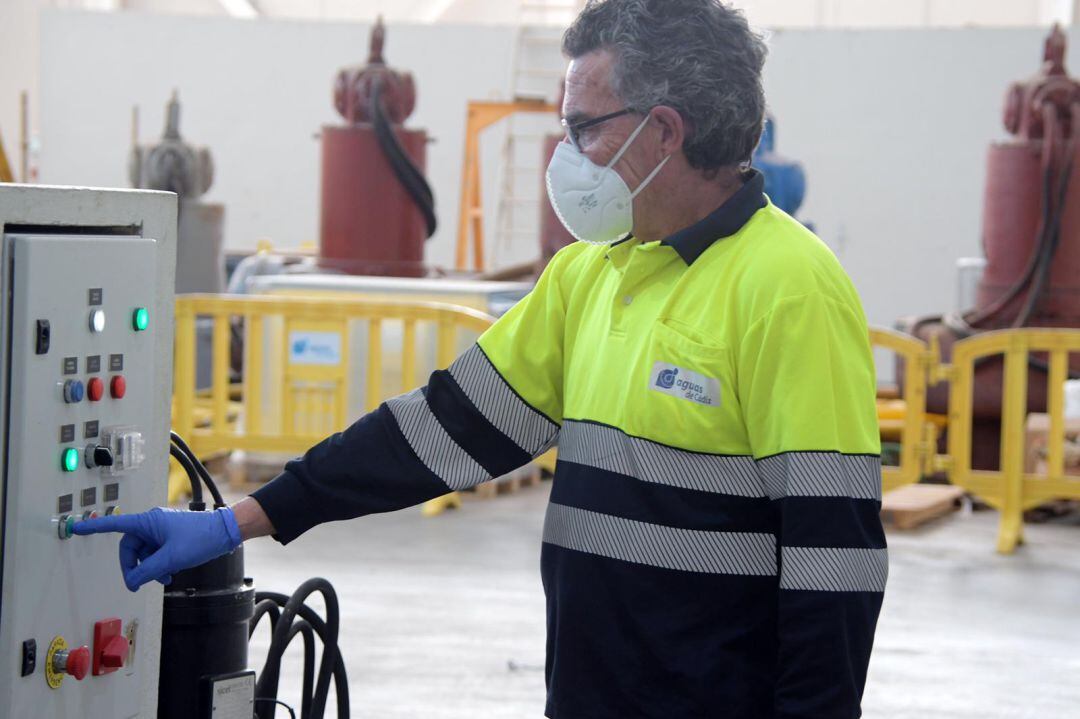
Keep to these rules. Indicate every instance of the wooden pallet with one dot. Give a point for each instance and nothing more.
(909, 506)
(525, 476)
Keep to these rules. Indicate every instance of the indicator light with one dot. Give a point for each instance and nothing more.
(70, 459)
(97, 321)
(140, 319)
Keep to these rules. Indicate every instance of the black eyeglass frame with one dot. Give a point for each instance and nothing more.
(573, 131)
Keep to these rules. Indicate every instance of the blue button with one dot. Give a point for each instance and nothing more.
(74, 391)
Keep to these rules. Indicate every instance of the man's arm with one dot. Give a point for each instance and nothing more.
(807, 384)
(251, 519)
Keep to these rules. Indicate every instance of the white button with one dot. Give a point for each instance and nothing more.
(97, 320)
(627, 300)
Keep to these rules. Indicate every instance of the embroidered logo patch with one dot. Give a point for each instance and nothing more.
(684, 384)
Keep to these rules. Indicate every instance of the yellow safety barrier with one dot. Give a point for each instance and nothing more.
(287, 405)
(1012, 489)
(306, 397)
(917, 433)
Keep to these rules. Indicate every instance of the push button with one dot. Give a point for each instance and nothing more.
(118, 387)
(73, 391)
(95, 389)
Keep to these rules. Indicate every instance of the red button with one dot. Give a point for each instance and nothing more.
(95, 389)
(78, 662)
(118, 387)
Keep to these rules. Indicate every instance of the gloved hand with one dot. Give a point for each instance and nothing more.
(163, 541)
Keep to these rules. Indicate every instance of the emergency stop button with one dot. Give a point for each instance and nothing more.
(118, 387)
(95, 389)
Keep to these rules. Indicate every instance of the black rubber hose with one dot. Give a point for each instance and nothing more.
(267, 683)
(341, 680)
(196, 504)
(270, 609)
(200, 468)
(406, 172)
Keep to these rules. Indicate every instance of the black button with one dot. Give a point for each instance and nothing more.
(44, 337)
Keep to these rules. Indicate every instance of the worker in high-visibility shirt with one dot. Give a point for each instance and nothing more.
(712, 547)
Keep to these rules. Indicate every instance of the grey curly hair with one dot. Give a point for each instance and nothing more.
(699, 57)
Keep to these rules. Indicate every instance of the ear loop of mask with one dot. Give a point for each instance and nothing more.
(626, 146)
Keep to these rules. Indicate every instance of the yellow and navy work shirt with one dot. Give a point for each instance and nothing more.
(712, 547)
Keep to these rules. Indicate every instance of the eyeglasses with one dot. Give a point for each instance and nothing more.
(574, 130)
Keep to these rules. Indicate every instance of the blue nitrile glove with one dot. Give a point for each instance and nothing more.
(163, 541)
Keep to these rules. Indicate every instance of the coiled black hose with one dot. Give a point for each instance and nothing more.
(406, 172)
(283, 612)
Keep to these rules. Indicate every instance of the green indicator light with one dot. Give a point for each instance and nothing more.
(70, 460)
(141, 319)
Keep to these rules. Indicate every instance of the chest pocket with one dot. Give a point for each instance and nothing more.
(690, 398)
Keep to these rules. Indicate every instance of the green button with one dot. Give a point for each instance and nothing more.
(70, 526)
(140, 319)
(70, 460)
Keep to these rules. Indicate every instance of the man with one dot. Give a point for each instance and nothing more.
(712, 547)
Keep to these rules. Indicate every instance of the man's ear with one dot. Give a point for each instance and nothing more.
(672, 129)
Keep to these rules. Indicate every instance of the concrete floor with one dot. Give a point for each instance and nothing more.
(435, 610)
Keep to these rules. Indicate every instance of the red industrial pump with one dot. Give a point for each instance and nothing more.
(1031, 238)
(377, 208)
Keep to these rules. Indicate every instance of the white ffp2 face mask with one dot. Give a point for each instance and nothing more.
(593, 202)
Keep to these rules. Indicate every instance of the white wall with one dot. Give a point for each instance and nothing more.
(892, 126)
(256, 93)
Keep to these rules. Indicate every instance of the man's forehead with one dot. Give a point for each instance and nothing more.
(588, 86)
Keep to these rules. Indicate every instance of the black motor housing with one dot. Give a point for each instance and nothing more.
(204, 634)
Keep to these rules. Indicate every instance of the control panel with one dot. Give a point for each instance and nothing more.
(85, 384)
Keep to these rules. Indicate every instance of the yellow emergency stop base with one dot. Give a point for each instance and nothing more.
(53, 677)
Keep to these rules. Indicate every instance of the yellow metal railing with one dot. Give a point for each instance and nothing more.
(1012, 489)
(314, 389)
(918, 435)
(285, 403)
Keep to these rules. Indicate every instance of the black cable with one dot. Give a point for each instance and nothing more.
(292, 713)
(200, 468)
(341, 681)
(266, 607)
(406, 172)
(196, 504)
(331, 664)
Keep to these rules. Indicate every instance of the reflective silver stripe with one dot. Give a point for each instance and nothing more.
(821, 474)
(659, 546)
(609, 449)
(432, 444)
(834, 570)
(486, 388)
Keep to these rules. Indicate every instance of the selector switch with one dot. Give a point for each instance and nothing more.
(110, 646)
(98, 456)
(95, 389)
(118, 387)
(73, 391)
